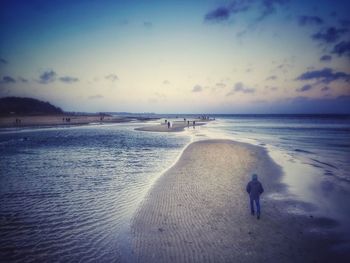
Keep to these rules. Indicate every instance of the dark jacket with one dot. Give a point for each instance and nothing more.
(254, 189)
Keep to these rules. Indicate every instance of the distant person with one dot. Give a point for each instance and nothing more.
(168, 124)
(255, 189)
(188, 124)
(194, 124)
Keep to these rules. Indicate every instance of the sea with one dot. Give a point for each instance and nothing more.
(69, 193)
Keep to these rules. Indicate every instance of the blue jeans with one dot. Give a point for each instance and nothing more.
(257, 203)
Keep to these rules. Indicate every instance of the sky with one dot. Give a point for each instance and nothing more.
(240, 56)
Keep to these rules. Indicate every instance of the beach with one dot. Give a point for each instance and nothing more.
(176, 126)
(64, 119)
(198, 211)
(111, 193)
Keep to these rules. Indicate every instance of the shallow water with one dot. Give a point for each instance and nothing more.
(67, 194)
(313, 151)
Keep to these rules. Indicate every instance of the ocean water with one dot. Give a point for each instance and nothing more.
(313, 152)
(68, 194)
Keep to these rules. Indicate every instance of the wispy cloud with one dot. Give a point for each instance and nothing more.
(342, 48)
(325, 75)
(7, 80)
(330, 35)
(166, 82)
(264, 8)
(95, 97)
(3, 61)
(223, 13)
(239, 87)
(47, 77)
(273, 77)
(326, 58)
(148, 24)
(112, 77)
(68, 79)
(310, 20)
(197, 88)
(344, 22)
(21, 79)
(220, 85)
(269, 7)
(304, 88)
(220, 14)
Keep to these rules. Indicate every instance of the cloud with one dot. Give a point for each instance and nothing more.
(342, 48)
(166, 82)
(344, 22)
(326, 58)
(94, 97)
(7, 80)
(239, 87)
(309, 20)
(68, 79)
(304, 88)
(160, 95)
(223, 13)
(22, 80)
(47, 77)
(218, 15)
(273, 77)
(123, 22)
(325, 75)
(330, 35)
(148, 24)
(112, 77)
(197, 88)
(3, 61)
(220, 85)
(269, 7)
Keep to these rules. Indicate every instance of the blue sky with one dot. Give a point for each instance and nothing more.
(242, 56)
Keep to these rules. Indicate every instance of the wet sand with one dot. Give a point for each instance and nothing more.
(176, 126)
(198, 211)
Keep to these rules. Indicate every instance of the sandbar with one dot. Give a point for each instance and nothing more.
(176, 126)
(198, 211)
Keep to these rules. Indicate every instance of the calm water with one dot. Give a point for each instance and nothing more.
(314, 152)
(68, 194)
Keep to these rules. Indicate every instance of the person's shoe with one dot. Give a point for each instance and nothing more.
(253, 213)
(258, 216)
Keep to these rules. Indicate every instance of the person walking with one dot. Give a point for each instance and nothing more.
(255, 189)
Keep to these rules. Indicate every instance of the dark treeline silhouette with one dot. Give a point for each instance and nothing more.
(26, 106)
